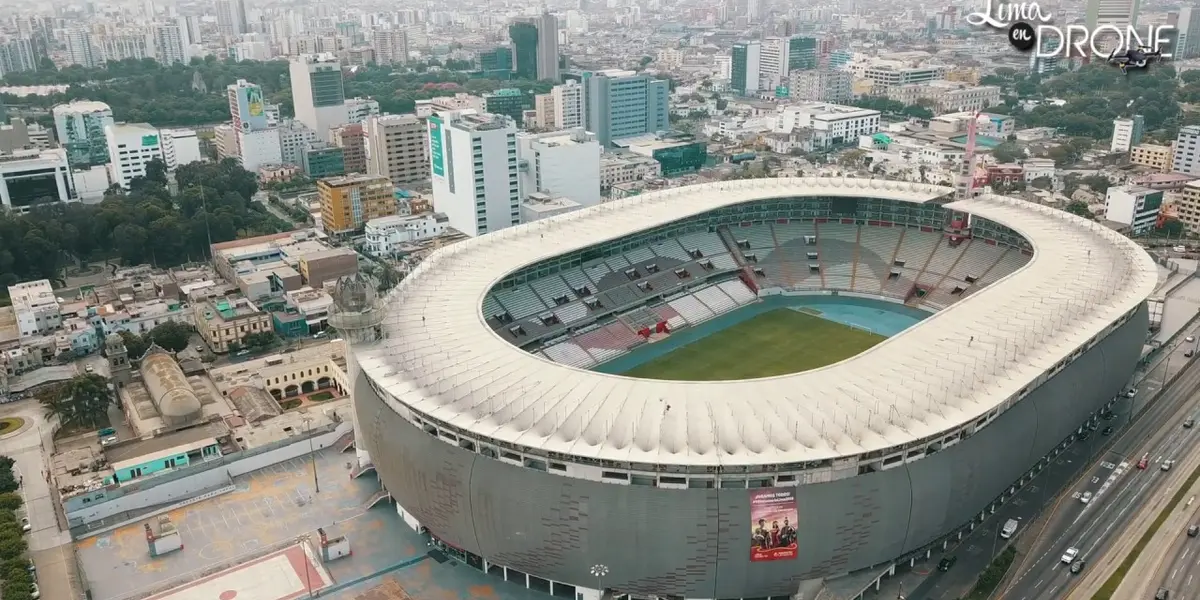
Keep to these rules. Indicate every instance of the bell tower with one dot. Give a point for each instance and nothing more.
(119, 368)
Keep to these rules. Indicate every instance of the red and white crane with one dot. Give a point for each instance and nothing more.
(966, 185)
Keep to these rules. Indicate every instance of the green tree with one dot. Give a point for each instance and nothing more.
(81, 402)
(1076, 207)
(10, 501)
(1008, 152)
(1098, 183)
(1172, 227)
(171, 336)
(1042, 183)
(259, 340)
(12, 549)
(135, 345)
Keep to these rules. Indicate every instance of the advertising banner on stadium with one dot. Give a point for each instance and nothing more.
(773, 517)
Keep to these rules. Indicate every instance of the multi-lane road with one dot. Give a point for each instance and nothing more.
(1118, 491)
(1181, 572)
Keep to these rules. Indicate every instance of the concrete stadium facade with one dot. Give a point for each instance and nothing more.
(694, 543)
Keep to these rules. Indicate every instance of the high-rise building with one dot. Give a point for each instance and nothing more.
(80, 128)
(622, 104)
(1187, 33)
(318, 93)
(1120, 13)
(231, 18)
(391, 46)
(745, 68)
(247, 108)
(535, 47)
(132, 146)
(80, 49)
(473, 159)
(358, 109)
(510, 102)
(497, 61)
(1127, 133)
(820, 86)
(396, 148)
(773, 64)
(172, 44)
(802, 53)
(180, 147)
(352, 139)
(1133, 205)
(543, 109)
(560, 163)
(348, 202)
(17, 56)
(524, 37)
(1187, 152)
(294, 137)
(568, 105)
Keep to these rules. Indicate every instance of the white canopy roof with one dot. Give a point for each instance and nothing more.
(441, 359)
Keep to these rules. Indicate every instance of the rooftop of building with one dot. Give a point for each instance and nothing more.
(352, 179)
(31, 294)
(81, 106)
(134, 128)
(471, 120)
(539, 202)
(566, 137)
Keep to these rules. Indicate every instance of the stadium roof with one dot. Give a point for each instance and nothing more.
(442, 360)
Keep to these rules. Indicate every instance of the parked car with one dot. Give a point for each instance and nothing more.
(1191, 339)
(1107, 431)
(1131, 392)
(25, 526)
(947, 562)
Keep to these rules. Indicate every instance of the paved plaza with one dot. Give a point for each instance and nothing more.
(287, 574)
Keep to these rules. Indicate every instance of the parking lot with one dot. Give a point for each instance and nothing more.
(270, 506)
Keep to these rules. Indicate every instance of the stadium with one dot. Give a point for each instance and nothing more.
(723, 390)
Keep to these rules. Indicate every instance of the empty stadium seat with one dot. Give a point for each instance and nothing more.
(738, 291)
(569, 353)
(671, 249)
(979, 258)
(552, 290)
(691, 309)
(570, 313)
(716, 300)
(917, 247)
(639, 256)
(600, 344)
(520, 301)
(708, 244)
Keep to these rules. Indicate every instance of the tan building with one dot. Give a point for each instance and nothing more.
(224, 321)
(543, 105)
(328, 265)
(348, 202)
(352, 139)
(1188, 206)
(398, 148)
(1153, 156)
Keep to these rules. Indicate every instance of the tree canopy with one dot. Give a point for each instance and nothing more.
(1096, 94)
(147, 224)
(81, 403)
(892, 107)
(142, 90)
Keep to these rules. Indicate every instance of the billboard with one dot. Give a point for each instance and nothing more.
(435, 147)
(773, 519)
(251, 109)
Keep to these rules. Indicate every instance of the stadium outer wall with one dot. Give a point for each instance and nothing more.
(695, 543)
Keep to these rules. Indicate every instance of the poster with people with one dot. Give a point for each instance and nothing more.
(773, 519)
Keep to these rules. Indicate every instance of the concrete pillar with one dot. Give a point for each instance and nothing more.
(912, 562)
(551, 587)
(877, 583)
(5, 200)
(892, 570)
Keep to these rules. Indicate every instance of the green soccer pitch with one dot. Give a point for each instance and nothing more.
(778, 342)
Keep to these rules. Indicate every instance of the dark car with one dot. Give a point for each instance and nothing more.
(1107, 431)
(1078, 566)
(1087, 433)
(1108, 415)
(946, 563)
(1162, 594)
(1190, 423)
(1194, 531)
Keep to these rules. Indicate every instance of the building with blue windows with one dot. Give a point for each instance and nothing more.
(620, 104)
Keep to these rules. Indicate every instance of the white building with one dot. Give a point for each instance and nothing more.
(1127, 133)
(474, 166)
(318, 93)
(386, 235)
(1036, 168)
(31, 177)
(948, 96)
(171, 43)
(258, 148)
(624, 167)
(35, 307)
(568, 105)
(820, 85)
(773, 63)
(294, 137)
(130, 147)
(80, 49)
(391, 46)
(359, 109)
(543, 206)
(180, 147)
(886, 75)
(560, 163)
(1135, 206)
(831, 124)
(1187, 155)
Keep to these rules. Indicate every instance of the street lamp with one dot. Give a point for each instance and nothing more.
(599, 572)
(306, 540)
(312, 455)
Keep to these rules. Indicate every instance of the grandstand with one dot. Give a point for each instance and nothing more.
(487, 410)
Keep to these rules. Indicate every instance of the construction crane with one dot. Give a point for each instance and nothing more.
(966, 185)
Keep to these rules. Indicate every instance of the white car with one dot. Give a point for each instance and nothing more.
(1167, 464)
(25, 526)
(36, 593)
(1086, 497)
(1191, 339)
(1131, 392)
(1068, 557)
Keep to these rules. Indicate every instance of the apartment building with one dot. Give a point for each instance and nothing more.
(1188, 207)
(1153, 156)
(224, 322)
(348, 202)
(35, 307)
(397, 148)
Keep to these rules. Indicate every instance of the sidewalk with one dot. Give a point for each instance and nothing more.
(57, 574)
(1154, 552)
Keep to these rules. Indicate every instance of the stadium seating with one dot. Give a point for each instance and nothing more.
(671, 316)
(709, 244)
(691, 309)
(916, 248)
(716, 300)
(738, 291)
(877, 246)
(600, 343)
(837, 244)
(617, 263)
(520, 302)
(899, 287)
(671, 249)
(570, 313)
(621, 296)
(944, 258)
(786, 232)
(551, 288)
(576, 278)
(623, 335)
(760, 238)
(639, 256)
(596, 271)
(979, 258)
(1012, 260)
(723, 262)
(569, 353)
(491, 307)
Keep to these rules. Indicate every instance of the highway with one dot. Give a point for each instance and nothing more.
(1119, 489)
